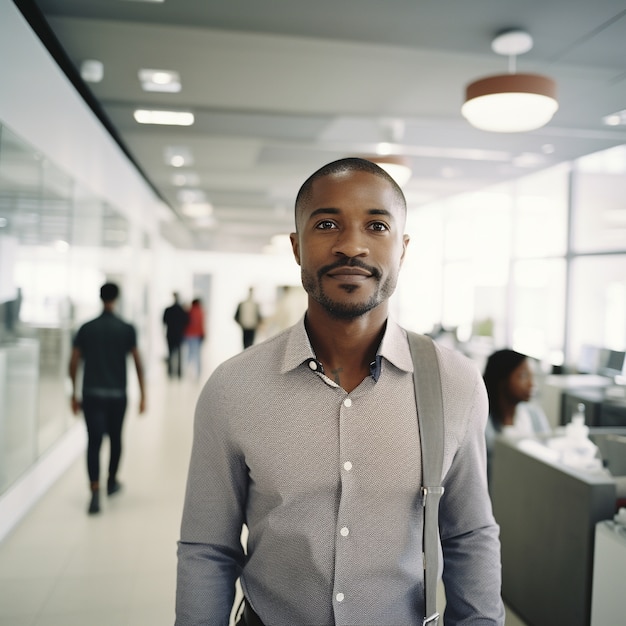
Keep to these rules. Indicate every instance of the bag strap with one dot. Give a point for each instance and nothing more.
(429, 401)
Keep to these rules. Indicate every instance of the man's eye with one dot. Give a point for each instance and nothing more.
(325, 225)
(379, 226)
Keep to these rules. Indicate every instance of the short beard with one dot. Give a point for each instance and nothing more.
(341, 310)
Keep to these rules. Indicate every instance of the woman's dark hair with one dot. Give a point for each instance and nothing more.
(499, 367)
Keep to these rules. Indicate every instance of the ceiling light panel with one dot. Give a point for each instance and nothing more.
(165, 118)
(164, 81)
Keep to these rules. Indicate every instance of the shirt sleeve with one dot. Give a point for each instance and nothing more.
(210, 553)
(469, 533)
(541, 425)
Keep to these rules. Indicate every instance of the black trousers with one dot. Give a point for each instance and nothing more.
(248, 337)
(174, 358)
(103, 416)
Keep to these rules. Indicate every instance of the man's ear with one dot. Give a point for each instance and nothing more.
(295, 246)
(405, 243)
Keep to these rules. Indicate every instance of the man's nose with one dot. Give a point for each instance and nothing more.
(351, 242)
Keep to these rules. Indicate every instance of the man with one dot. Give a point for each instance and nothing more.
(175, 319)
(103, 345)
(311, 440)
(248, 316)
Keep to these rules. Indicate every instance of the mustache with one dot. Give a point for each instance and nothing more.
(350, 262)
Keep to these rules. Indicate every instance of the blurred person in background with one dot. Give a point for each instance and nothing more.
(102, 346)
(175, 319)
(194, 336)
(509, 380)
(248, 316)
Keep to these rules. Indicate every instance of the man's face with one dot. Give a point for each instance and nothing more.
(350, 243)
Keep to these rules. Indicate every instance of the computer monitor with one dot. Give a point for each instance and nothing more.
(611, 363)
(588, 359)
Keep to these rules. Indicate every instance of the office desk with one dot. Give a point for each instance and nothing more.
(609, 575)
(601, 409)
(547, 514)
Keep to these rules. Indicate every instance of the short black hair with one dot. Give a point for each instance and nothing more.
(109, 292)
(349, 164)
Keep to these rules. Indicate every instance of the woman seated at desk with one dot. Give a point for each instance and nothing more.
(509, 380)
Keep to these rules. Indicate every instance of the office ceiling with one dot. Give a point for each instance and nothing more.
(280, 87)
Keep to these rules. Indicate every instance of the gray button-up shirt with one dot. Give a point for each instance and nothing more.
(328, 484)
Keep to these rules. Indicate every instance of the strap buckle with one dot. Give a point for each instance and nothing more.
(433, 620)
(438, 490)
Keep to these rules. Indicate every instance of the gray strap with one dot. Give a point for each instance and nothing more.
(427, 382)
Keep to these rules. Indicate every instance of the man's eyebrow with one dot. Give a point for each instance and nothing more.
(334, 211)
(324, 211)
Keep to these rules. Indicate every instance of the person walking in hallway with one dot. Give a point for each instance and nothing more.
(312, 439)
(102, 347)
(194, 336)
(175, 319)
(248, 316)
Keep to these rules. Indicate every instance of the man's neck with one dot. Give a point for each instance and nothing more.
(346, 347)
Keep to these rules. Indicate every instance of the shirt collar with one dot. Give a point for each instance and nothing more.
(393, 348)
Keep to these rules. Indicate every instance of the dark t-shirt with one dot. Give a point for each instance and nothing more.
(175, 318)
(104, 344)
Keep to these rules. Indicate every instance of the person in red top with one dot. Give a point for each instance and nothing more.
(194, 335)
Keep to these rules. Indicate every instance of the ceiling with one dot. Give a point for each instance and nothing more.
(280, 87)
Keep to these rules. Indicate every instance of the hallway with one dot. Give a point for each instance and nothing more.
(61, 567)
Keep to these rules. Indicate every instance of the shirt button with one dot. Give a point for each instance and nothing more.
(344, 531)
(340, 597)
(313, 364)
(347, 402)
(347, 466)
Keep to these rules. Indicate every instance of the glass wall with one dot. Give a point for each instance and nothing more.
(56, 239)
(537, 264)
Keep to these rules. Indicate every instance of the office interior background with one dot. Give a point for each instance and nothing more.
(535, 262)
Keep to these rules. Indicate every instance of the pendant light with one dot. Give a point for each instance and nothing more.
(510, 103)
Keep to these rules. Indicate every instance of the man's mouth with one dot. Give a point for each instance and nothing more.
(349, 274)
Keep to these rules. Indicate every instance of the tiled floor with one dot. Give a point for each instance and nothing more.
(61, 567)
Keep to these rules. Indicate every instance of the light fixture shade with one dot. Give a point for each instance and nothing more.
(510, 103)
(396, 166)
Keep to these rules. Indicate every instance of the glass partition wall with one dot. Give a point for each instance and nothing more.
(55, 238)
(537, 264)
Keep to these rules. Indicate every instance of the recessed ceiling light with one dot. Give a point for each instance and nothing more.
(166, 118)
(191, 196)
(188, 178)
(166, 81)
(450, 172)
(198, 209)
(178, 156)
(615, 119)
(92, 71)
(528, 159)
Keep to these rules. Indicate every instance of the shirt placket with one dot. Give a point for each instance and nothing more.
(344, 540)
